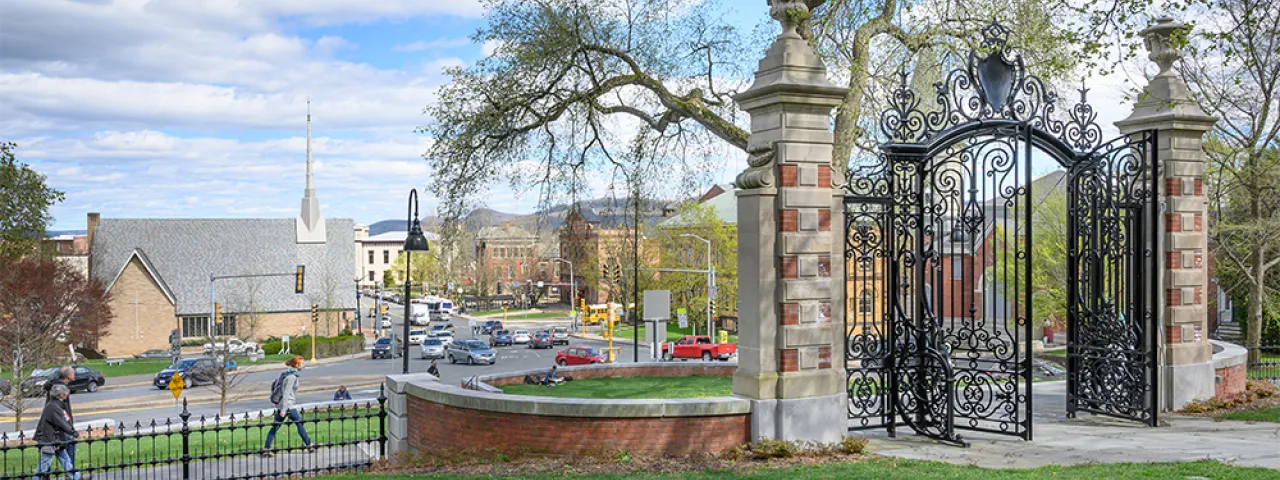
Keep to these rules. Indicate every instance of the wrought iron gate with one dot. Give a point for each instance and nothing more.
(939, 246)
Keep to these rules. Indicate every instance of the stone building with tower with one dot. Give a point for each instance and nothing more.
(158, 273)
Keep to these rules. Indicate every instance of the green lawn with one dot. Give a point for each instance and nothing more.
(631, 387)
(149, 366)
(1261, 415)
(674, 332)
(209, 441)
(891, 468)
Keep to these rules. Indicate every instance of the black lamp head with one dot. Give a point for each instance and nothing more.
(415, 241)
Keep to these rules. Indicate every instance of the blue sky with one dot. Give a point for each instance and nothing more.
(186, 108)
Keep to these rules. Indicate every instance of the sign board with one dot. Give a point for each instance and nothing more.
(176, 385)
(657, 304)
(539, 283)
(713, 291)
(683, 315)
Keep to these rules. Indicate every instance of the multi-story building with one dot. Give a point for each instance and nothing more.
(509, 259)
(375, 254)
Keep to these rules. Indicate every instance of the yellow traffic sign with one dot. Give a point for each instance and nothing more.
(176, 385)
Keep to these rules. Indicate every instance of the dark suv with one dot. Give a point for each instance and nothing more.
(194, 371)
(386, 347)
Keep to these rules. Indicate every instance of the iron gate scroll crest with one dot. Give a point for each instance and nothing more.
(939, 249)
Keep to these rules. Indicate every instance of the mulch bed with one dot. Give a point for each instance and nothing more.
(498, 464)
(1258, 395)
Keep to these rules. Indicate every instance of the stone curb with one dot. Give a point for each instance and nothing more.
(205, 401)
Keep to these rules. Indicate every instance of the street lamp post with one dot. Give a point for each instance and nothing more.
(359, 327)
(415, 241)
(710, 333)
(573, 291)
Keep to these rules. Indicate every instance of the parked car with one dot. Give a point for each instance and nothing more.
(500, 337)
(698, 346)
(471, 352)
(491, 325)
(560, 335)
(234, 346)
(157, 353)
(444, 336)
(385, 347)
(194, 372)
(542, 339)
(87, 379)
(386, 322)
(579, 356)
(433, 348)
(521, 336)
(416, 336)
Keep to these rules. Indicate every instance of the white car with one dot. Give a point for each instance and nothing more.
(416, 336)
(386, 322)
(234, 346)
(521, 336)
(444, 336)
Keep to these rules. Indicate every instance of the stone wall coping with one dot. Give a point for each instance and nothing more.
(1230, 356)
(427, 388)
(570, 370)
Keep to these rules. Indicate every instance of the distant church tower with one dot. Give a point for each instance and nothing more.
(309, 222)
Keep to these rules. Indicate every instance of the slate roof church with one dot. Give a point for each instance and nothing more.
(157, 271)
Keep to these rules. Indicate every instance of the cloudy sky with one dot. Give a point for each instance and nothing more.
(185, 108)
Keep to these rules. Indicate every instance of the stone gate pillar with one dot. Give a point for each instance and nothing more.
(791, 360)
(1186, 373)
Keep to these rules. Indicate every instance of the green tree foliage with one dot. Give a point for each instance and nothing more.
(24, 205)
(689, 290)
(426, 267)
(573, 82)
(1049, 272)
(1233, 69)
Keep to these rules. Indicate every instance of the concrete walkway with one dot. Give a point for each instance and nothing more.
(328, 459)
(1095, 439)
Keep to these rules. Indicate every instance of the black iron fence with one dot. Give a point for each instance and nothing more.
(1264, 363)
(345, 436)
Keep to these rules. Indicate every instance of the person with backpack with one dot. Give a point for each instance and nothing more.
(284, 394)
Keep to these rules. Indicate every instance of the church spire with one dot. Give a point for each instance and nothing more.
(310, 224)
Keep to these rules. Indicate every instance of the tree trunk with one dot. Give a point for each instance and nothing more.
(1253, 337)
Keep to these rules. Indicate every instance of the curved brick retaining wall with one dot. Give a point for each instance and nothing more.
(448, 417)
(1228, 368)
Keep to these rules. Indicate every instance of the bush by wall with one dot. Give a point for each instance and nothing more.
(325, 346)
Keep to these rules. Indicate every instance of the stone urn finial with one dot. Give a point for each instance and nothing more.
(1159, 40)
(789, 13)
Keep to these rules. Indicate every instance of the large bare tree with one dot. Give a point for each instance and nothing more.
(573, 83)
(1233, 69)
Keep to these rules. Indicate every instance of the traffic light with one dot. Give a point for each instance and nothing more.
(299, 279)
(617, 271)
(217, 313)
(315, 313)
(711, 307)
(605, 270)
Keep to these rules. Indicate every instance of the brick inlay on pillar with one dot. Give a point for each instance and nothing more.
(790, 314)
(824, 176)
(788, 174)
(824, 357)
(790, 267)
(789, 359)
(1173, 334)
(824, 220)
(790, 220)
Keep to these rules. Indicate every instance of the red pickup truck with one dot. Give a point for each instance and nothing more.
(698, 346)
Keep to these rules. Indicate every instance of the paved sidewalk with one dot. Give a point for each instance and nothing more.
(329, 459)
(1095, 439)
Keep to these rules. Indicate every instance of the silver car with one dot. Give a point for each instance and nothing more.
(471, 352)
(432, 348)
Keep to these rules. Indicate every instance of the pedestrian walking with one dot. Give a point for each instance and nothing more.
(65, 375)
(54, 434)
(284, 393)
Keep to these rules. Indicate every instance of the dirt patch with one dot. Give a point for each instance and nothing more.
(530, 463)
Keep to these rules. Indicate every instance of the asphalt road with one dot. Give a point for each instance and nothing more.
(115, 404)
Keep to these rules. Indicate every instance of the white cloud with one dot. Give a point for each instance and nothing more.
(489, 47)
(422, 45)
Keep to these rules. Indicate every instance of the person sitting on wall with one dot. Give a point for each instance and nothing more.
(341, 394)
(551, 378)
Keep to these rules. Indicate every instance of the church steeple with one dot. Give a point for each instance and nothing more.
(310, 223)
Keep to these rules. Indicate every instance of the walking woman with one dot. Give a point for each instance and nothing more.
(286, 406)
(54, 434)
